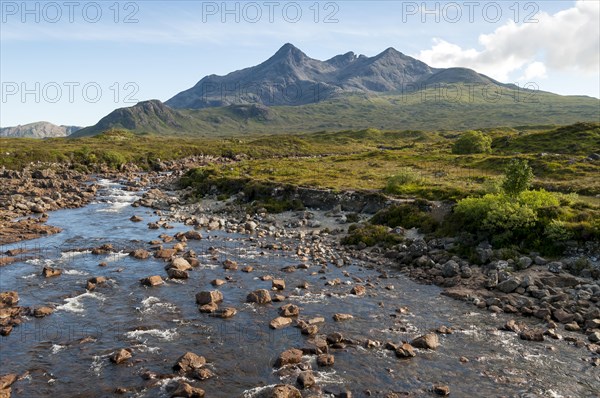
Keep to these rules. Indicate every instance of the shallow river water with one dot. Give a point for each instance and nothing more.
(67, 353)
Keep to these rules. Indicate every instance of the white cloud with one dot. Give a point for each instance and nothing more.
(566, 40)
(535, 70)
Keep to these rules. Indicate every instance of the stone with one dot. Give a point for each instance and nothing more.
(135, 218)
(342, 317)
(441, 390)
(281, 391)
(120, 356)
(188, 362)
(165, 253)
(306, 379)
(594, 337)
(450, 269)
(225, 313)
(289, 357)
(524, 262)
(509, 285)
(8, 299)
(184, 390)
(555, 267)
(428, 341)
(49, 272)
(572, 327)
(41, 312)
(230, 265)
(278, 284)
(248, 269)
(405, 351)
(7, 380)
(325, 360)
(310, 330)
(358, 290)
(532, 335)
(208, 308)
(179, 263)
(289, 310)
(207, 297)
(562, 316)
(202, 374)
(260, 296)
(280, 322)
(217, 282)
(140, 254)
(177, 274)
(153, 280)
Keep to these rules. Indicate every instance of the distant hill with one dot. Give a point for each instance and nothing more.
(291, 92)
(38, 130)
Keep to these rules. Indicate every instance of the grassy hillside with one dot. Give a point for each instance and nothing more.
(450, 107)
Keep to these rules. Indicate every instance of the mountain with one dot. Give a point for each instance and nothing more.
(291, 92)
(290, 77)
(38, 130)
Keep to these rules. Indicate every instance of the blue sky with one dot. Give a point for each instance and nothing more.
(74, 62)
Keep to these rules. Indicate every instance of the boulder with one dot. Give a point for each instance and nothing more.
(289, 310)
(208, 308)
(280, 322)
(280, 391)
(509, 285)
(177, 273)
(179, 263)
(153, 280)
(278, 284)
(289, 357)
(207, 297)
(136, 218)
(184, 390)
(325, 360)
(260, 296)
(188, 362)
(225, 313)
(49, 272)
(230, 265)
(358, 290)
(41, 312)
(428, 341)
(165, 253)
(217, 282)
(306, 379)
(450, 269)
(532, 335)
(342, 317)
(140, 254)
(8, 299)
(405, 351)
(120, 356)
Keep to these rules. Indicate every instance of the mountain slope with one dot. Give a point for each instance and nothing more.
(292, 78)
(38, 130)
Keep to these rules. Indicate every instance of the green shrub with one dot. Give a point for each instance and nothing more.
(518, 177)
(403, 181)
(471, 142)
(370, 235)
(114, 159)
(406, 216)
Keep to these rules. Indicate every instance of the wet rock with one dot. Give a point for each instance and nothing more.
(188, 362)
(8, 299)
(230, 265)
(135, 218)
(193, 235)
(358, 290)
(165, 253)
(441, 390)
(49, 272)
(248, 269)
(202, 374)
(217, 282)
(208, 308)
(278, 284)
(289, 310)
(289, 357)
(41, 312)
(280, 322)
(177, 274)
(524, 262)
(260, 296)
(179, 263)
(184, 390)
(334, 338)
(572, 327)
(325, 360)
(153, 280)
(278, 298)
(342, 317)
(562, 316)
(428, 341)
(207, 297)
(306, 379)
(532, 335)
(120, 356)
(225, 313)
(405, 351)
(280, 391)
(140, 254)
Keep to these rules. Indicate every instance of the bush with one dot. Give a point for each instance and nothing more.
(114, 159)
(406, 216)
(399, 183)
(471, 142)
(370, 235)
(518, 177)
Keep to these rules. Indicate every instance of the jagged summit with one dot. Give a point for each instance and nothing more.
(290, 77)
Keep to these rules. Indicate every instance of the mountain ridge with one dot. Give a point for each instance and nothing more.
(38, 130)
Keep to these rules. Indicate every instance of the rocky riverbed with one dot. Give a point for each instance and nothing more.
(332, 320)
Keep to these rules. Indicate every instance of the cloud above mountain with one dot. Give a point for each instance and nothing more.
(567, 40)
